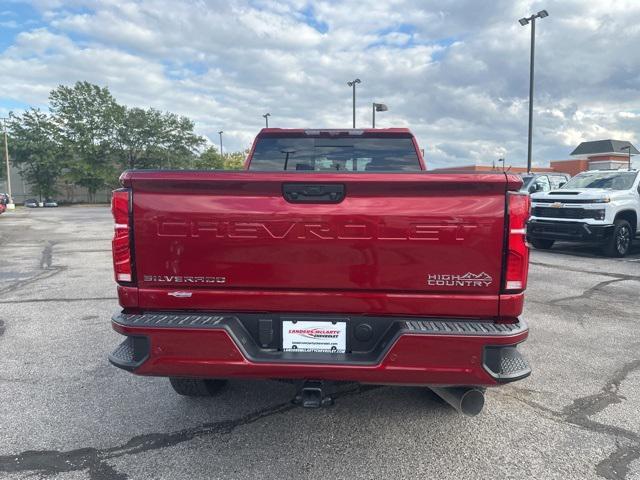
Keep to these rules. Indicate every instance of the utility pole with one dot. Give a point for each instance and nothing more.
(220, 133)
(6, 160)
(266, 119)
(353, 85)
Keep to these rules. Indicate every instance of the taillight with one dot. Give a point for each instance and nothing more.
(517, 257)
(121, 239)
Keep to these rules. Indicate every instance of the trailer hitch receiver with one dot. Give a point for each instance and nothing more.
(312, 394)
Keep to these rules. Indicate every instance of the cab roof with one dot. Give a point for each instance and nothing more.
(349, 132)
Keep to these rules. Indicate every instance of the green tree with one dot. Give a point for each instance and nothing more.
(235, 161)
(87, 117)
(153, 139)
(36, 150)
(210, 159)
(180, 143)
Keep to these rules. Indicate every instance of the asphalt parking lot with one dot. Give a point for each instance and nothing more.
(66, 413)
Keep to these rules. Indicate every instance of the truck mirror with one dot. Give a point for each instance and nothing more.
(561, 184)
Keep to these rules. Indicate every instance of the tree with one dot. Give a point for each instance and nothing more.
(88, 138)
(235, 161)
(153, 139)
(36, 150)
(210, 159)
(180, 143)
(87, 116)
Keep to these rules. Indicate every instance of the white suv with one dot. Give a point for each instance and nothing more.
(598, 206)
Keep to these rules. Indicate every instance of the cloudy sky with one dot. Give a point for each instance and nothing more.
(455, 72)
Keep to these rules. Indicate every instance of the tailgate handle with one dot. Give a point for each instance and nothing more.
(313, 192)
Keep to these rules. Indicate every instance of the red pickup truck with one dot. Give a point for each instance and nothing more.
(332, 257)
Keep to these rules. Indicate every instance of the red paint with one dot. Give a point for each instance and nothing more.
(412, 360)
(310, 301)
(511, 306)
(385, 238)
(128, 297)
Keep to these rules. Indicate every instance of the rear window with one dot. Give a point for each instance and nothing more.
(335, 154)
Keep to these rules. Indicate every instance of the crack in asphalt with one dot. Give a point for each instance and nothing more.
(43, 274)
(578, 413)
(616, 466)
(588, 293)
(94, 460)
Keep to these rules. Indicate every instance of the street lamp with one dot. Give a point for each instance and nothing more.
(524, 22)
(377, 107)
(353, 85)
(266, 119)
(6, 160)
(220, 133)
(628, 148)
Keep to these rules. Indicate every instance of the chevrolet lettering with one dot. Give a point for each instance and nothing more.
(453, 230)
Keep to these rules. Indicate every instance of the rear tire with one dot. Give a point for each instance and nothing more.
(542, 243)
(619, 243)
(196, 387)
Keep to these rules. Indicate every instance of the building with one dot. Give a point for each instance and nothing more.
(596, 155)
(495, 168)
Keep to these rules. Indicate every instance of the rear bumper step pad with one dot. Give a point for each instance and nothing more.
(425, 326)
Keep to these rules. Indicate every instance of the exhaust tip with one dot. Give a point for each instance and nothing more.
(468, 401)
(472, 402)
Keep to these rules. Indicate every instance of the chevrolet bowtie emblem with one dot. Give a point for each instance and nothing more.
(180, 294)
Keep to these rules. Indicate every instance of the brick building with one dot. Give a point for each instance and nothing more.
(595, 155)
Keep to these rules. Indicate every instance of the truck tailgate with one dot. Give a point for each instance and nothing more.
(228, 239)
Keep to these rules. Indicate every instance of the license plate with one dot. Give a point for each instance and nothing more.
(314, 336)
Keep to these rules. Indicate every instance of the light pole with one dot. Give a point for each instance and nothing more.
(220, 133)
(523, 22)
(377, 107)
(628, 148)
(353, 85)
(266, 119)
(6, 160)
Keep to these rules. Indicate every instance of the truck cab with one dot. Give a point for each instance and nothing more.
(598, 206)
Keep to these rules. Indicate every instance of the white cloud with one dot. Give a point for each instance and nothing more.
(456, 72)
